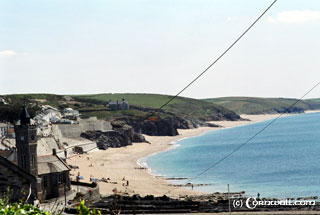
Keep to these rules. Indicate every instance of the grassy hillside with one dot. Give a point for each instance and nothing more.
(253, 105)
(181, 106)
(96, 105)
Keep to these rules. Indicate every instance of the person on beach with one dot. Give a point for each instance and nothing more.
(258, 195)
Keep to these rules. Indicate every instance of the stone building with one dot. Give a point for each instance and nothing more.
(119, 105)
(48, 175)
(54, 174)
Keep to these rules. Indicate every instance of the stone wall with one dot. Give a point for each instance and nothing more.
(93, 124)
(73, 131)
(92, 191)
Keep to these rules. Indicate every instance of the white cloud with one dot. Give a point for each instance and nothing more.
(7, 53)
(11, 53)
(295, 16)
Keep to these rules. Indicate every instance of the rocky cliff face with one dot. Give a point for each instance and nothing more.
(280, 110)
(159, 127)
(119, 137)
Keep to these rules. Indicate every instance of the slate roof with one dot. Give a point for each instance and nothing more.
(16, 169)
(118, 103)
(51, 164)
(5, 153)
(24, 117)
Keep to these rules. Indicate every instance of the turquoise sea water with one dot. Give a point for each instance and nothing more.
(283, 161)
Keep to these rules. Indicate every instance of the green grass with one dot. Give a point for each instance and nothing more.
(36, 96)
(49, 99)
(108, 115)
(182, 106)
(143, 100)
(254, 105)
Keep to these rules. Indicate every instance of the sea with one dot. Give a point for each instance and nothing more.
(282, 161)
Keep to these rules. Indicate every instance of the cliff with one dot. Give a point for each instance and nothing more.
(159, 126)
(119, 137)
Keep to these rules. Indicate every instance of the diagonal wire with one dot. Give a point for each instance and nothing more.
(215, 61)
(249, 140)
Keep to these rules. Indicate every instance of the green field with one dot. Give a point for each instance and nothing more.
(185, 107)
(254, 105)
(205, 109)
(96, 105)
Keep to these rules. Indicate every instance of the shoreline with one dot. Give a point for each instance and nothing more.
(123, 163)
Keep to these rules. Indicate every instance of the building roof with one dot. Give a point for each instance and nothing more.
(17, 169)
(51, 164)
(5, 153)
(24, 117)
(118, 103)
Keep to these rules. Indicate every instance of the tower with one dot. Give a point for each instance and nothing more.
(26, 143)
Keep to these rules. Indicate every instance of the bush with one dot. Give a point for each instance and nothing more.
(83, 210)
(18, 208)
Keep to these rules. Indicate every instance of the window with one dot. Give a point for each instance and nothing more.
(23, 162)
(33, 162)
(60, 178)
(54, 180)
(45, 181)
(64, 177)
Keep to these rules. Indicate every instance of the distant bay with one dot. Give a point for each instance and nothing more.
(283, 161)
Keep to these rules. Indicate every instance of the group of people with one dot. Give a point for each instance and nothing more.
(125, 184)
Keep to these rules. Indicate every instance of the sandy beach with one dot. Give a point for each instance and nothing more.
(126, 176)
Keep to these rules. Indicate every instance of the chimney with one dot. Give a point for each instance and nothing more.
(54, 152)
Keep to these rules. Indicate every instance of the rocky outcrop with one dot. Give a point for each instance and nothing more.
(119, 137)
(128, 131)
(212, 203)
(292, 110)
(107, 139)
(158, 127)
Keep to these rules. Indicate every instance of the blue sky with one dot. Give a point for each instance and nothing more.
(77, 47)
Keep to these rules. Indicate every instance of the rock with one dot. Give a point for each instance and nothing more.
(128, 131)
(107, 139)
(160, 127)
(121, 136)
(136, 197)
(149, 197)
(164, 198)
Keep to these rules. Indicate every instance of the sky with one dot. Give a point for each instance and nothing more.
(149, 46)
